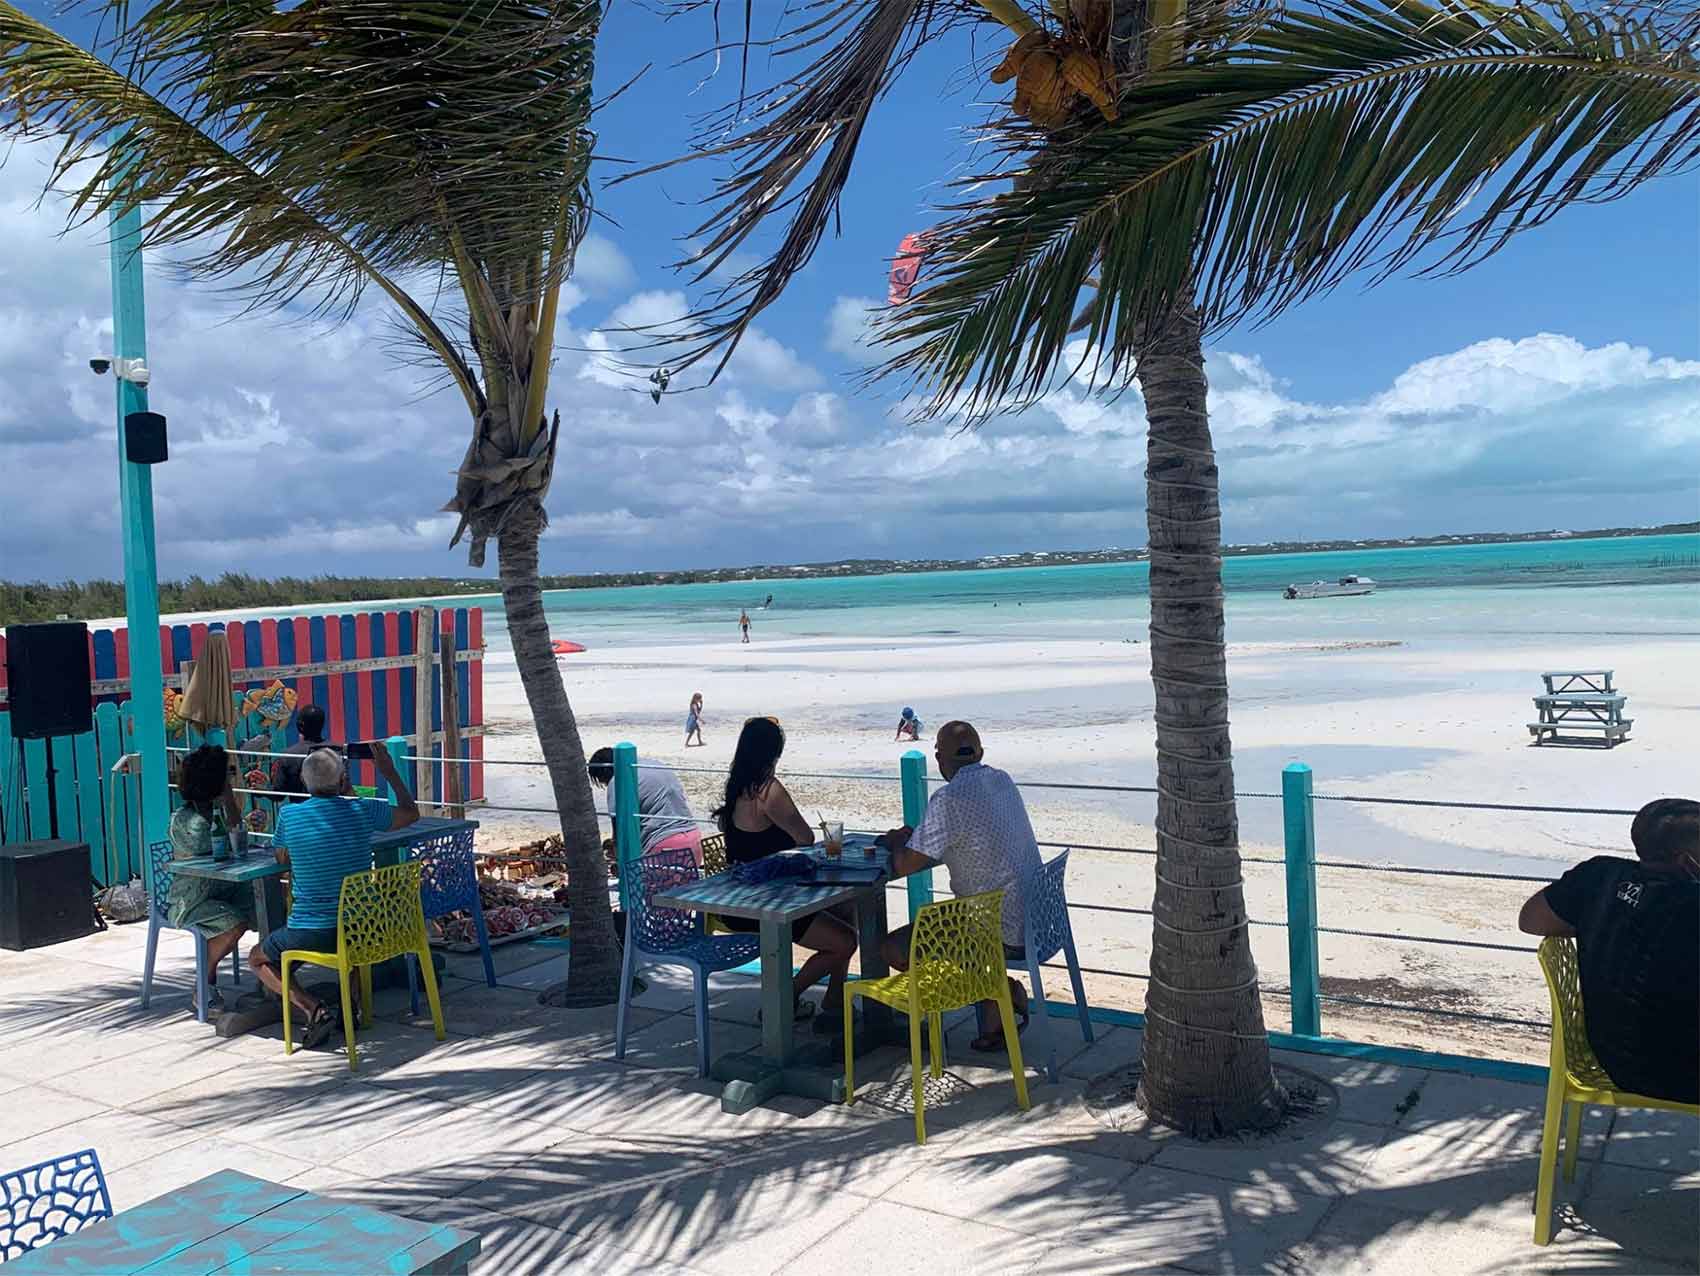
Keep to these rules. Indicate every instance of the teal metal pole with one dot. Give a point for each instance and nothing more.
(914, 773)
(628, 842)
(397, 746)
(1299, 811)
(135, 504)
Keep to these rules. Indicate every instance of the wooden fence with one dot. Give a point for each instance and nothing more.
(366, 670)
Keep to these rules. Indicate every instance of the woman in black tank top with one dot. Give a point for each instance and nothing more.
(759, 819)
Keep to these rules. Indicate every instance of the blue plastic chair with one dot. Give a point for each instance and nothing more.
(41, 1203)
(1048, 933)
(448, 883)
(159, 858)
(674, 937)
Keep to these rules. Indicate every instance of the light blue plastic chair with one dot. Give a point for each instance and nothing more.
(449, 883)
(159, 858)
(1048, 933)
(674, 937)
(42, 1202)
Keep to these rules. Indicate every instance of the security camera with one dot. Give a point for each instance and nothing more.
(100, 366)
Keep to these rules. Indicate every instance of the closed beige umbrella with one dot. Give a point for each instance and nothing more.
(208, 702)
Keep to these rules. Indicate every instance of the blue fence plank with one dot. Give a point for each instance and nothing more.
(108, 748)
(409, 718)
(321, 684)
(354, 727)
(91, 828)
(62, 758)
(381, 724)
(11, 785)
(37, 813)
(105, 656)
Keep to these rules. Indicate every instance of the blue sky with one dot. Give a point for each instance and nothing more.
(1559, 385)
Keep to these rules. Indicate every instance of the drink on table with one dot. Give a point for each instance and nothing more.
(833, 831)
(220, 837)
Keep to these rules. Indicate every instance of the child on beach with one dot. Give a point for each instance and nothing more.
(908, 725)
(693, 721)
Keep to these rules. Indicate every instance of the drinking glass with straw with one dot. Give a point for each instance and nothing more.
(832, 833)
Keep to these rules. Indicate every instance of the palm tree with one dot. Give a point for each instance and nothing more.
(1165, 172)
(300, 154)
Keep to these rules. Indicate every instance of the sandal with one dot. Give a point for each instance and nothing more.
(320, 1024)
(993, 1042)
(801, 1012)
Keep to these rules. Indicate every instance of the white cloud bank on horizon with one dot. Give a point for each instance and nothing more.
(297, 449)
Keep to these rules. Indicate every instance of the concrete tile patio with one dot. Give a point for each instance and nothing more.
(521, 1127)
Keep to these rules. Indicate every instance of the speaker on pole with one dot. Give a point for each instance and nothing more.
(48, 679)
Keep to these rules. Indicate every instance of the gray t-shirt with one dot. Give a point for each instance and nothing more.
(977, 827)
(662, 807)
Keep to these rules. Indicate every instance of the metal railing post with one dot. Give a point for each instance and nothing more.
(1299, 811)
(627, 842)
(397, 746)
(914, 774)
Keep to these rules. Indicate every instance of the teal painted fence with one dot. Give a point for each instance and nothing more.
(83, 802)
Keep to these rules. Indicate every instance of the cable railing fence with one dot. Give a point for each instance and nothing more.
(1304, 987)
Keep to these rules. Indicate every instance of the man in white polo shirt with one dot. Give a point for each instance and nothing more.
(977, 827)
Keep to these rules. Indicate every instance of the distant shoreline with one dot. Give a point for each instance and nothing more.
(94, 600)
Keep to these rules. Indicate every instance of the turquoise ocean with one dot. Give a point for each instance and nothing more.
(1634, 587)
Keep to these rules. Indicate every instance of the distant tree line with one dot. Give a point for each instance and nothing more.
(22, 602)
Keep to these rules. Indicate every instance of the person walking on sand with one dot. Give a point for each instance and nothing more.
(693, 721)
(744, 624)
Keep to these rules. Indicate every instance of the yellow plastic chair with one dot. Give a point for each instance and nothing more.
(714, 861)
(378, 916)
(1574, 1078)
(956, 959)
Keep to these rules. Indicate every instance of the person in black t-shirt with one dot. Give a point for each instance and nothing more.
(1637, 930)
(286, 771)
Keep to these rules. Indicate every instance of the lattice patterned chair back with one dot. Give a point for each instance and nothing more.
(41, 1203)
(714, 855)
(160, 877)
(1570, 1048)
(956, 955)
(449, 872)
(661, 930)
(1046, 905)
(379, 915)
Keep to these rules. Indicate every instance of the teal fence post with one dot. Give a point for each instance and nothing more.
(135, 503)
(1299, 812)
(628, 842)
(914, 773)
(397, 747)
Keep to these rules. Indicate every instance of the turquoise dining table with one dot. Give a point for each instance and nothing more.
(815, 1069)
(233, 1224)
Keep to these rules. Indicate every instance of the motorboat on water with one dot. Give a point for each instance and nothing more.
(1345, 587)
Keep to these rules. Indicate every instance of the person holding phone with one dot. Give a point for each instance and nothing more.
(323, 840)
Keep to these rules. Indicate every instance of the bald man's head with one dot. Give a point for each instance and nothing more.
(958, 745)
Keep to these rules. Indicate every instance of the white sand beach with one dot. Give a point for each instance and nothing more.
(1406, 719)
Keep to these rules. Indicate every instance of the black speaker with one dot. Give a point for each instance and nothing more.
(47, 677)
(144, 438)
(46, 894)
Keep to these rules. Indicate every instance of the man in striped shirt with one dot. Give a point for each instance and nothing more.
(323, 840)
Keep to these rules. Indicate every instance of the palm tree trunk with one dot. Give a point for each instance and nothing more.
(1205, 1065)
(593, 972)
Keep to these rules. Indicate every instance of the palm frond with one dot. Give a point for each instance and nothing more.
(1381, 137)
(791, 152)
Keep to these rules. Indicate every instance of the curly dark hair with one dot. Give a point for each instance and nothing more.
(204, 774)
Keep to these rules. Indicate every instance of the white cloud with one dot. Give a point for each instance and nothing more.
(303, 448)
(848, 330)
(601, 268)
